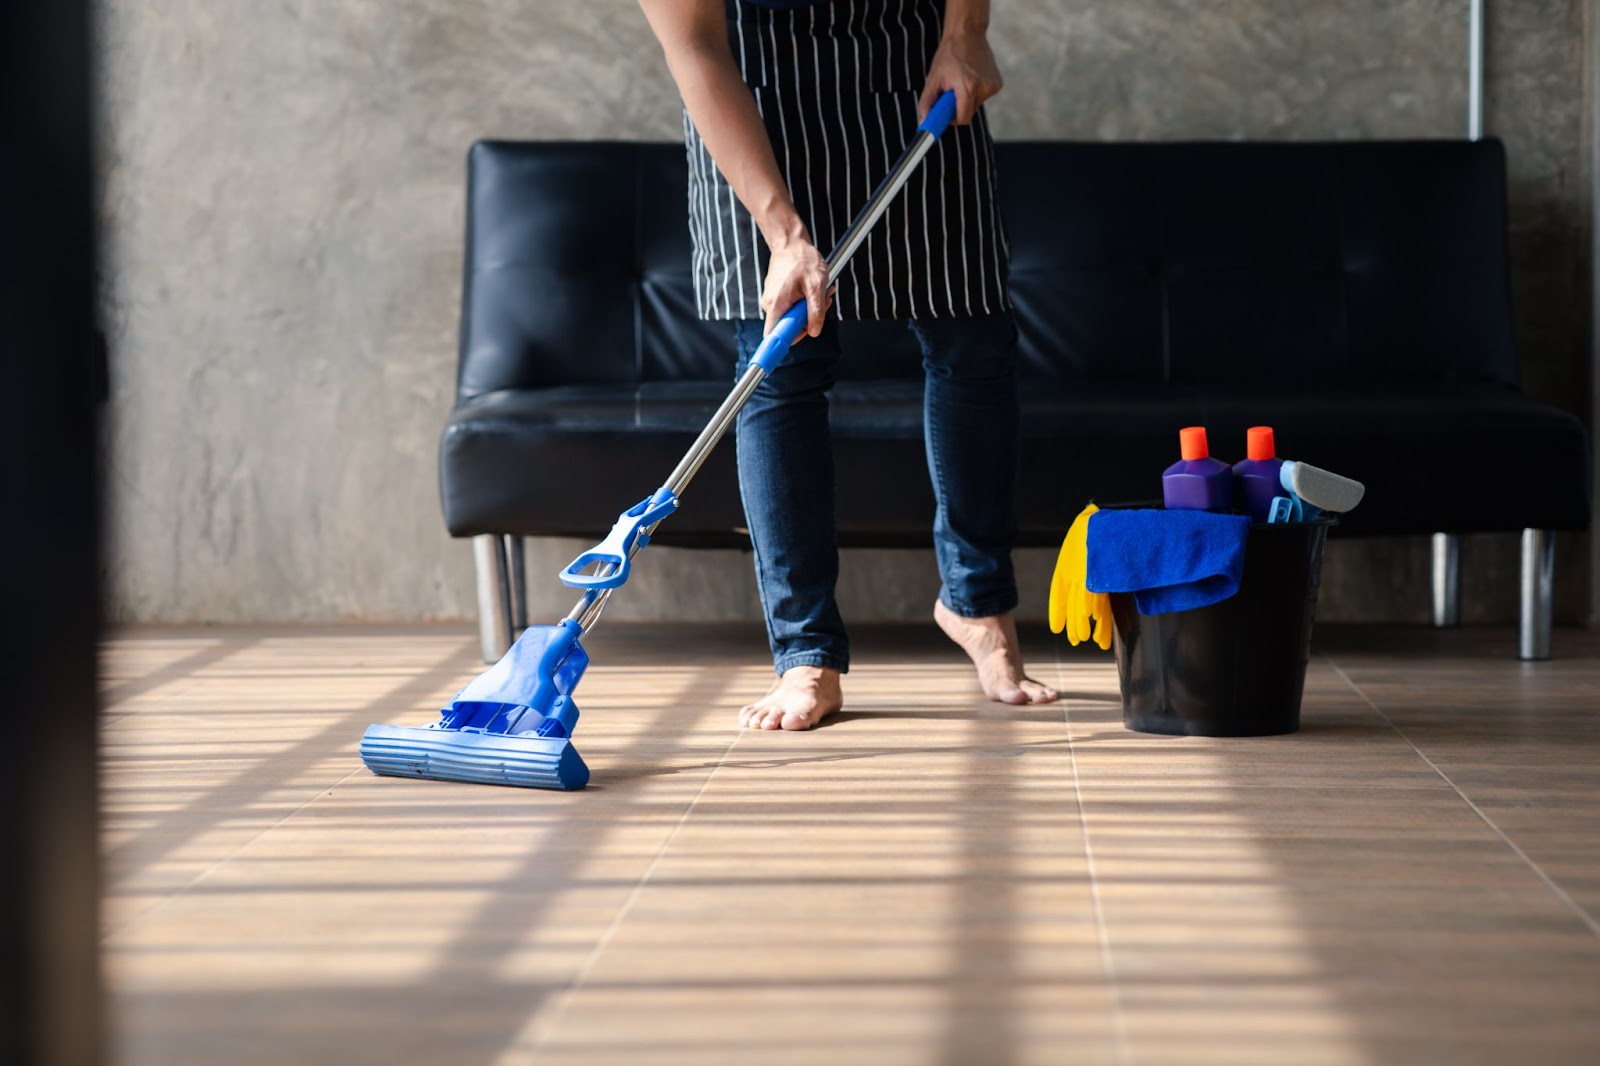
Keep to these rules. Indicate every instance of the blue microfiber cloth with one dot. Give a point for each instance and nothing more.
(1170, 560)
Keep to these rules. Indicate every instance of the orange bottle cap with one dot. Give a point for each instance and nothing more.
(1193, 442)
(1259, 444)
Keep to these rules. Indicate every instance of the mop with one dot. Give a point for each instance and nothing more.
(512, 725)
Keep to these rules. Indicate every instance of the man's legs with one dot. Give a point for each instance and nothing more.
(972, 427)
(786, 481)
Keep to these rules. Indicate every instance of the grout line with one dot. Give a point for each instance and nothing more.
(1108, 967)
(559, 1009)
(1583, 915)
(107, 854)
(111, 889)
(108, 714)
(162, 903)
(108, 718)
(183, 670)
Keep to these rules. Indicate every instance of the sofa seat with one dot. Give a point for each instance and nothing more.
(566, 459)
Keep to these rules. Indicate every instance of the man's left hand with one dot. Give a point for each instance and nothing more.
(964, 63)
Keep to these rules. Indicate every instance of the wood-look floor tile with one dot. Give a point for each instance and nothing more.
(1558, 829)
(1341, 743)
(898, 894)
(850, 1023)
(259, 869)
(1330, 925)
(1518, 739)
(911, 883)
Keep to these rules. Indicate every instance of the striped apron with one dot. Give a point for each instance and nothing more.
(837, 84)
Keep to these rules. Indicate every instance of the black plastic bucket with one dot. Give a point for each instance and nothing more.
(1236, 668)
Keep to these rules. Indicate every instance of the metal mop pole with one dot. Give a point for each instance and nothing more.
(587, 610)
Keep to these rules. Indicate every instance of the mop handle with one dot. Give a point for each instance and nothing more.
(775, 346)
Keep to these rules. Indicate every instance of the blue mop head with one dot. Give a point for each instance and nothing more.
(511, 726)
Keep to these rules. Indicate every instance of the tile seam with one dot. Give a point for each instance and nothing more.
(1108, 967)
(172, 897)
(1582, 913)
(582, 976)
(317, 793)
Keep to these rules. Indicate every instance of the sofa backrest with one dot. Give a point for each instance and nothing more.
(1344, 265)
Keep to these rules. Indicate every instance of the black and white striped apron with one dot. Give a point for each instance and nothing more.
(837, 84)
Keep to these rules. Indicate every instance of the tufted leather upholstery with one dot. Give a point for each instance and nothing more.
(1354, 296)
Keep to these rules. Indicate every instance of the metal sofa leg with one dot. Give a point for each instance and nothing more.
(1446, 579)
(1538, 582)
(517, 574)
(494, 595)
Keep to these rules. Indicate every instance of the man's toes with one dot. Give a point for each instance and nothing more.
(793, 720)
(755, 716)
(1012, 696)
(1036, 692)
(771, 718)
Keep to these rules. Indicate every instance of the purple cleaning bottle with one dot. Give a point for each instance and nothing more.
(1197, 482)
(1255, 478)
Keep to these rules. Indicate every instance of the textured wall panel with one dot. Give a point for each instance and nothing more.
(282, 205)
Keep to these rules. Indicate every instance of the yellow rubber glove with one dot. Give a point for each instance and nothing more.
(1096, 605)
(1099, 609)
(1072, 606)
(1078, 623)
(1061, 579)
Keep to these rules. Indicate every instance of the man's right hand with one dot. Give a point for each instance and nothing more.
(797, 271)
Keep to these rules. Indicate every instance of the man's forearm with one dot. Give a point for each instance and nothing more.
(966, 17)
(964, 61)
(694, 38)
(724, 112)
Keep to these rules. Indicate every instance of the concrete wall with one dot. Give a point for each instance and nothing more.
(282, 208)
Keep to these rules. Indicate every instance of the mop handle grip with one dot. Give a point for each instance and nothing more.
(775, 345)
(940, 115)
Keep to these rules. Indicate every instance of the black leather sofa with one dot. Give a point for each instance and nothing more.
(1353, 295)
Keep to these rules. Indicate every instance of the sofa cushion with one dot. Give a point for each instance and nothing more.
(1294, 264)
(1300, 265)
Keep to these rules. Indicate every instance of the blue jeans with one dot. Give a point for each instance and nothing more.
(971, 428)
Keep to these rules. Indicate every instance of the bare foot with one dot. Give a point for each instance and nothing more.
(992, 645)
(801, 698)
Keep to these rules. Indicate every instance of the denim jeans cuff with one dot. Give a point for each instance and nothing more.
(987, 607)
(812, 658)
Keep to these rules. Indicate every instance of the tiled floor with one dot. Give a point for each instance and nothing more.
(1414, 878)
